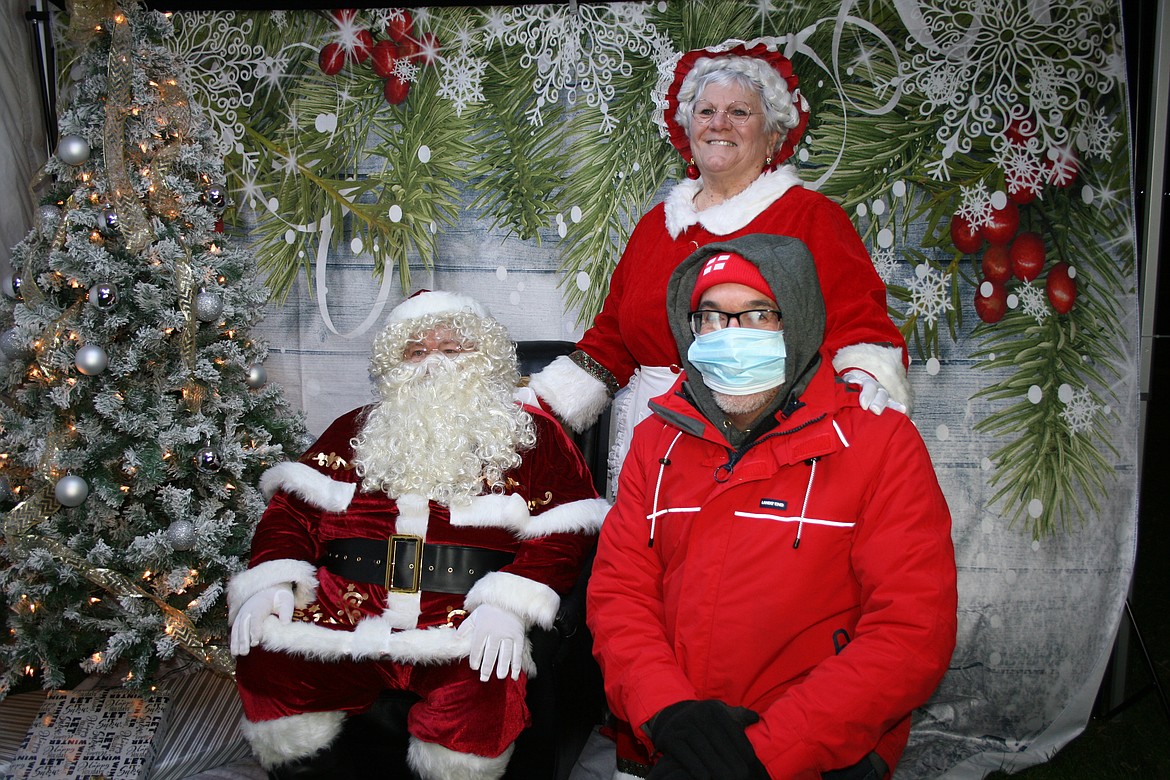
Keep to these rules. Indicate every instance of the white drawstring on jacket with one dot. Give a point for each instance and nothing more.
(663, 462)
(804, 507)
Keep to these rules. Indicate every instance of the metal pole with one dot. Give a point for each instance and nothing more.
(1148, 282)
(41, 21)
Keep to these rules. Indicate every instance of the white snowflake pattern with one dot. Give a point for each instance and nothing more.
(1021, 169)
(985, 65)
(1080, 410)
(885, 262)
(975, 204)
(930, 293)
(1033, 301)
(220, 67)
(462, 79)
(578, 50)
(1096, 136)
(405, 70)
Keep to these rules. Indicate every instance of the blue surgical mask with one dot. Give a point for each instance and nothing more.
(739, 361)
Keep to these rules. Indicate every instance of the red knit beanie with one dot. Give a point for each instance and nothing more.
(729, 268)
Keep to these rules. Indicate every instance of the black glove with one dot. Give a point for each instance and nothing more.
(706, 739)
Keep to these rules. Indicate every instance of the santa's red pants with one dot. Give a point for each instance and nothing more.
(457, 710)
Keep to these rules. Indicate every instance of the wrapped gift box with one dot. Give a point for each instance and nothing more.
(108, 733)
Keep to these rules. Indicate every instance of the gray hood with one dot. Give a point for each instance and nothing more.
(788, 267)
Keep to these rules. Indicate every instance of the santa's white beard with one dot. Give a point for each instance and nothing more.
(445, 429)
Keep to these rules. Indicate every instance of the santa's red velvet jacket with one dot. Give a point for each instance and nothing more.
(548, 517)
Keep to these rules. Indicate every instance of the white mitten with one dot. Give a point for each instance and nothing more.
(873, 396)
(497, 640)
(246, 630)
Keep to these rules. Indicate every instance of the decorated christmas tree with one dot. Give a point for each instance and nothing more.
(136, 417)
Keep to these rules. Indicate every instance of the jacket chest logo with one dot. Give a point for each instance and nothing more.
(773, 503)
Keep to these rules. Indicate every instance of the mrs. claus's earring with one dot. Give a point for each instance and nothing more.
(692, 169)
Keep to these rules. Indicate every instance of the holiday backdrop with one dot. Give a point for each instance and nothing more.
(506, 152)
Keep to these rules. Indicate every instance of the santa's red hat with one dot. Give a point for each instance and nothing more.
(729, 268)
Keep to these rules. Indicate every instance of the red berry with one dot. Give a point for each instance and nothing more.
(384, 56)
(429, 47)
(409, 48)
(400, 27)
(331, 59)
(1003, 224)
(997, 265)
(343, 16)
(1027, 254)
(1021, 194)
(219, 226)
(363, 44)
(395, 90)
(1061, 287)
(990, 301)
(1061, 166)
(965, 237)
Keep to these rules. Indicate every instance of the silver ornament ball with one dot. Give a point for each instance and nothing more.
(10, 285)
(208, 306)
(207, 460)
(10, 344)
(181, 534)
(91, 360)
(110, 218)
(103, 296)
(215, 196)
(73, 150)
(48, 214)
(71, 491)
(257, 376)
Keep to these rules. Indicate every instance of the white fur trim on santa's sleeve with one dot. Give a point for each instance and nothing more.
(301, 575)
(533, 602)
(575, 396)
(575, 517)
(307, 483)
(883, 363)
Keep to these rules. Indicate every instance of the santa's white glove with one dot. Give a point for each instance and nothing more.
(497, 640)
(873, 396)
(247, 628)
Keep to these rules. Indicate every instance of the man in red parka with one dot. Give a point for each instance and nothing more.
(411, 548)
(774, 589)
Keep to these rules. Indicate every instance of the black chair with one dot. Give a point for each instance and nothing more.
(565, 697)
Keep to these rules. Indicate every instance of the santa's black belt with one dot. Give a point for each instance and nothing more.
(404, 564)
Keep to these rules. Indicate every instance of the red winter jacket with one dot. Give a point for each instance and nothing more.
(811, 580)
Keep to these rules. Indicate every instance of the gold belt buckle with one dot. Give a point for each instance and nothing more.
(415, 566)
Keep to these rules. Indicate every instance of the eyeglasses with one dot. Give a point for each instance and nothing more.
(416, 353)
(738, 113)
(710, 320)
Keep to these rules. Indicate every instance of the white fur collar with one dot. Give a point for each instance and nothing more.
(732, 214)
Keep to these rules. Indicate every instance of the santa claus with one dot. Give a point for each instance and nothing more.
(411, 548)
